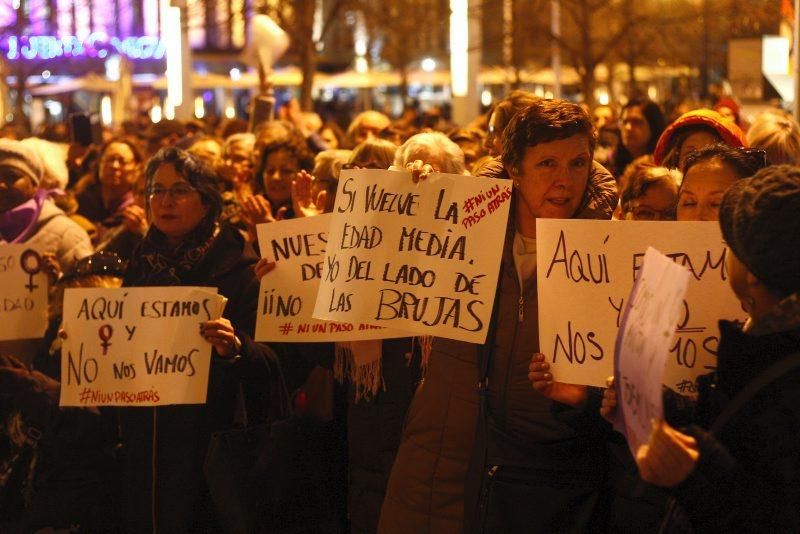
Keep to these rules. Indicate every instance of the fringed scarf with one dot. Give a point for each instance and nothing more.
(359, 362)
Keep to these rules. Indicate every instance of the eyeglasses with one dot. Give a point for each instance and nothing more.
(177, 192)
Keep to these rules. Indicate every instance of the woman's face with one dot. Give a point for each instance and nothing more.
(280, 169)
(657, 204)
(15, 188)
(117, 166)
(552, 179)
(176, 206)
(330, 139)
(635, 131)
(702, 190)
(696, 141)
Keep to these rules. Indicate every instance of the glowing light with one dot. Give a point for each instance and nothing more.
(361, 64)
(54, 107)
(238, 36)
(171, 35)
(428, 64)
(486, 98)
(45, 74)
(652, 92)
(169, 110)
(112, 68)
(230, 112)
(236, 74)
(105, 110)
(602, 97)
(459, 42)
(155, 113)
(96, 45)
(199, 107)
(775, 55)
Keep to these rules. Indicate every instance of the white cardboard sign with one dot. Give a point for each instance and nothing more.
(585, 270)
(23, 298)
(423, 258)
(136, 346)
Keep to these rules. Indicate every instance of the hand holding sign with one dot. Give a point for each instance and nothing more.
(669, 456)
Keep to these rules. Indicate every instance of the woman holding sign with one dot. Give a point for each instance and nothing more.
(536, 464)
(738, 468)
(165, 446)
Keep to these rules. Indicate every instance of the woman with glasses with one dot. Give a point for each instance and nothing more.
(164, 488)
(648, 193)
(106, 197)
(708, 174)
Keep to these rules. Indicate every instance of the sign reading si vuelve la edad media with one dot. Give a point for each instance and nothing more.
(23, 299)
(585, 270)
(288, 292)
(136, 346)
(423, 258)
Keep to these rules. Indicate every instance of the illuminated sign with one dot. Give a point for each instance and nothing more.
(96, 45)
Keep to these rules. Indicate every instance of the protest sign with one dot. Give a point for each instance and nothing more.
(23, 300)
(423, 258)
(645, 336)
(136, 346)
(288, 293)
(585, 272)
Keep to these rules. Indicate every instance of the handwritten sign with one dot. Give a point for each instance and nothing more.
(288, 293)
(423, 258)
(23, 299)
(645, 336)
(136, 346)
(585, 272)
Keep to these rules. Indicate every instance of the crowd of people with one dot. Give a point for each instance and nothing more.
(412, 434)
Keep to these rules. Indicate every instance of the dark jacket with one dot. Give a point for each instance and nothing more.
(748, 476)
(165, 447)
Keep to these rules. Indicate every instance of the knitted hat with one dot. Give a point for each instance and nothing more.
(17, 156)
(760, 222)
(731, 134)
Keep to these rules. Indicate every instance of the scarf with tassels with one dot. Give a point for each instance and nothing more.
(359, 362)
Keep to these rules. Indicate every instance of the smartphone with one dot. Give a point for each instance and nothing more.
(262, 111)
(85, 129)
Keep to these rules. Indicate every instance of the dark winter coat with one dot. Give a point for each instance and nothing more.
(165, 447)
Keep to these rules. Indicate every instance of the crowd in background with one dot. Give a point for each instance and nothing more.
(394, 436)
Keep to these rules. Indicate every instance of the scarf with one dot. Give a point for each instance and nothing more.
(17, 224)
(160, 264)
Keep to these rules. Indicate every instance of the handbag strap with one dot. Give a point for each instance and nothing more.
(753, 388)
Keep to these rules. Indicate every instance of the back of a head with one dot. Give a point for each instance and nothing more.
(515, 102)
(759, 222)
(544, 121)
(433, 148)
(374, 152)
(779, 136)
(328, 163)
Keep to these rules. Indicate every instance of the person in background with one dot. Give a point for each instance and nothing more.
(709, 172)
(332, 135)
(779, 135)
(649, 193)
(641, 125)
(106, 197)
(208, 148)
(435, 149)
(501, 115)
(471, 142)
(366, 125)
(693, 131)
(608, 137)
(325, 178)
(737, 467)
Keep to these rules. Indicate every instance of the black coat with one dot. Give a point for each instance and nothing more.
(748, 476)
(169, 443)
